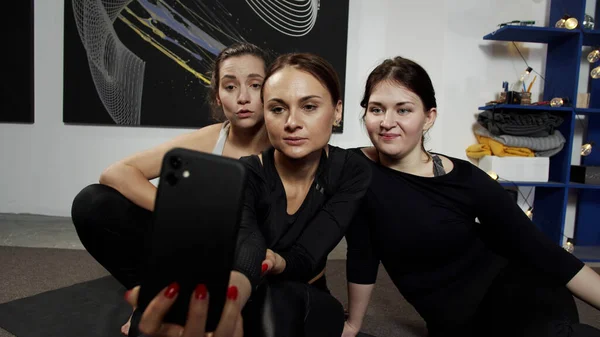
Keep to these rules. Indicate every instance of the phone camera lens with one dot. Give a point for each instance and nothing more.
(171, 179)
(175, 162)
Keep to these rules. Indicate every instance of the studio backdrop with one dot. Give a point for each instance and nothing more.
(147, 62)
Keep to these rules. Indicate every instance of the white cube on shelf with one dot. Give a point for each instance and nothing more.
(533, 169)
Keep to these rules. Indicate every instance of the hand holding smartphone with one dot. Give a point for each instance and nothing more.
(193, 234)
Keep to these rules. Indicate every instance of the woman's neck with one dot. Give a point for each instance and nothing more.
(297, 170)
(255, 139)
(414, 162)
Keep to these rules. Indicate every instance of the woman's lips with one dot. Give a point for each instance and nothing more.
(295, 140)
(389, 136)
(244, 113)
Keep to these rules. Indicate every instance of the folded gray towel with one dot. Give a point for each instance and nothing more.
(549, 153)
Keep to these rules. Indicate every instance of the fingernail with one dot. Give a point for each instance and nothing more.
(264, 267)
(201, 292)
(172, 290)
(126, 295)
(232, 293)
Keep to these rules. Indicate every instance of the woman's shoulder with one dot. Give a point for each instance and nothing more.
(209, 130)
(203, 139)
(352, 157)
(257, 164)
(349, 152)
(253, 162)
(460, 163)
(348, 164)
(462, 169)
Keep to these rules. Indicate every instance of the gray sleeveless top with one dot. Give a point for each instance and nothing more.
(218, 149)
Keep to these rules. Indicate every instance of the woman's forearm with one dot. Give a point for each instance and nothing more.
(359, 296)
(130, 182)
(586, 286)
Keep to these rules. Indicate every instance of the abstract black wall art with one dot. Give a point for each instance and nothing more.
(146, 62)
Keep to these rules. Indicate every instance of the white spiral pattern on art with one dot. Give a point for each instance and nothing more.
(290, 17)
(117, 73)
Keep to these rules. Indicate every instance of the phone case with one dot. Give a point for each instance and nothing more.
(193, 235)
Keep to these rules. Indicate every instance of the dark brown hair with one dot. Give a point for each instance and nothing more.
(237, 49)
(406, 73)
(312, 64)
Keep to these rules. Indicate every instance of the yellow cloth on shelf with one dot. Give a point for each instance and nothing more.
(477, 151)
(501, 150)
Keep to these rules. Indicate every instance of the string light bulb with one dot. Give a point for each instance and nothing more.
(571, 23)
(595, 73)
(557, 102)
(586, 149)
(493, 175)
(567, 22)
(529, 213)
(569, 246)
(594, 56)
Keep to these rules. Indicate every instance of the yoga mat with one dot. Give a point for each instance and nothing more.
(91, 309)
(65, 293)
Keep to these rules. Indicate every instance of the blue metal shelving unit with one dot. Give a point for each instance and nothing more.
(563, 60)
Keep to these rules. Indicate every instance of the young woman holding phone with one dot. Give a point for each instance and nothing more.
(111, 217)
(302, 194)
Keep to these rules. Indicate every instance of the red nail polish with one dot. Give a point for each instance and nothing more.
(232, 293)
(126, 295)
(201, 292)
(172, 290)
(264, 267)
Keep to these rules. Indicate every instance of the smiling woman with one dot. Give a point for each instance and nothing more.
(498, 276)
(411, 95)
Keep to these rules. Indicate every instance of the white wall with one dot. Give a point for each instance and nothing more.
(43, 166)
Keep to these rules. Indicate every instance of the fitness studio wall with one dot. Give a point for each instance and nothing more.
(146, 62)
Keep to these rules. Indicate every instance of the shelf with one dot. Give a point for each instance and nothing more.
(563, 67)
(587, 253)
(584, 186)
(532, 183)
(591, 38)
(525, 107)
(530, 34)
(587, 111)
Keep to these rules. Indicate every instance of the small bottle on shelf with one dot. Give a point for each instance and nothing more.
(518, 86)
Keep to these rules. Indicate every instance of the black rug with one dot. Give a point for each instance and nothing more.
(42, 295)
(91, 309)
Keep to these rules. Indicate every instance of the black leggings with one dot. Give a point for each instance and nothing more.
(287, 308)
(112, 229)
(520, 303)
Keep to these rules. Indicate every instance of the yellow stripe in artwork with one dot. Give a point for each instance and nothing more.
(162, 48)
